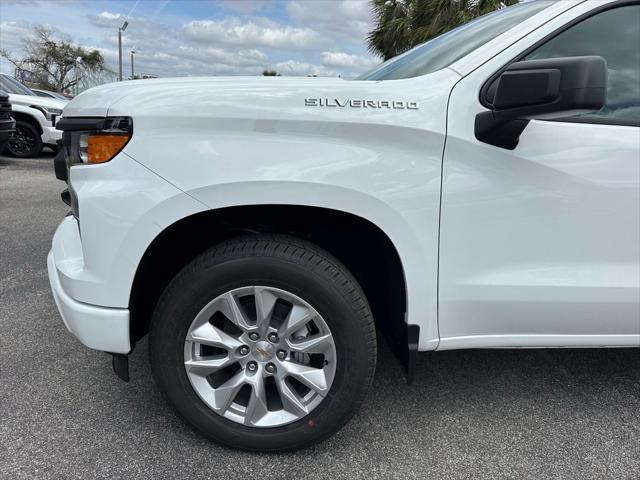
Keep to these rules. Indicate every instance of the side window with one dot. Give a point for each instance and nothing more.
(614, 35)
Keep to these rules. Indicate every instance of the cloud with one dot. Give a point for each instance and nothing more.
(105, 19)
(185, 49)
(251, 33)
(346, 18)
(244, 6)
(13, 35)
(347, 60)
(220, 61)
(315, 37)
(219, 55)
(303, 69)
(21, 2)
(183, 60)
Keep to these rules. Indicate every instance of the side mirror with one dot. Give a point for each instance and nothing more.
(546, 89)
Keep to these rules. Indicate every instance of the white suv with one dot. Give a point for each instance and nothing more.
(35, 119)
(479, 191)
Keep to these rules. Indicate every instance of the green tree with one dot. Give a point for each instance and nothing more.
(403, 24)
(57, 64)
(270, 73)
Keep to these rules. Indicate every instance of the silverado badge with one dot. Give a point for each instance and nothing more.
(360, 103)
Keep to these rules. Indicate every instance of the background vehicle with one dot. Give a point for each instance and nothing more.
(35, 119)
(50, 94)
(264, 231)
(7, 124)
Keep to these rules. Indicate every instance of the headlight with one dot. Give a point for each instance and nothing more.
(99, 145)
(88, 140)
(49, 113)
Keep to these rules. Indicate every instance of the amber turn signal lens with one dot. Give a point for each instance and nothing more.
(103, 147)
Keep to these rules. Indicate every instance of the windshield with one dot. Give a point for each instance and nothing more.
(46, 93)
(445, 49)
(11, 85)
(42, 94)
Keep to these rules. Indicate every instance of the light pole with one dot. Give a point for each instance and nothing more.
(77, 63)
(132, 75)
(120, 30)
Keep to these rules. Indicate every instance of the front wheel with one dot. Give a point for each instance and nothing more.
(264, 343)
(25, 142)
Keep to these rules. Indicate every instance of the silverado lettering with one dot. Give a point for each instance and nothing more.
(358, 103)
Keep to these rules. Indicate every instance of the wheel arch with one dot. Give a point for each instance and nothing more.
(362, 246)
(25, 117)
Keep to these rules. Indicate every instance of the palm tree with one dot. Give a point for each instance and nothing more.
(403, 24)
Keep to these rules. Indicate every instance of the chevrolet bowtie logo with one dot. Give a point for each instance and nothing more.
(263, 351)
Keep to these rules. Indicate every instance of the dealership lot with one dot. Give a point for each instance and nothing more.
(469, 414)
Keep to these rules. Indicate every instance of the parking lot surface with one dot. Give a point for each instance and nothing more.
(469, 414)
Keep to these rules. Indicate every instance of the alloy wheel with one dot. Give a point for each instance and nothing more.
(21, 142)
(260, 356)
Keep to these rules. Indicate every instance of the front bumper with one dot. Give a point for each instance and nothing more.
(101, 328)
(50, 135)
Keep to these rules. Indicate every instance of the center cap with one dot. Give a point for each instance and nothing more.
(263, 351)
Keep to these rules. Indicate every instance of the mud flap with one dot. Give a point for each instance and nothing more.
(120, 363)
(404, 345)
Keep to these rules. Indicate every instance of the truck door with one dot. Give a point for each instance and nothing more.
(540, 245)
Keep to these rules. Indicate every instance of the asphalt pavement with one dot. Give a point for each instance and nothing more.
(469, 414)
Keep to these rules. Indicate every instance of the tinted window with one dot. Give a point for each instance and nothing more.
(614, 35)
(445, 49)
(11, 85)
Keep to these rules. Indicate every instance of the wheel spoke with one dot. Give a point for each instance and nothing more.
(314, 344)
(232, 310)
(297, 318)
(226, 393)
(206, 366)
(257, 406)
(314, 378)
(290, 399)
(265, 300)
(207, 334)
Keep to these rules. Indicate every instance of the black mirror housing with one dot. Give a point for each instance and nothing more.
(544, 89)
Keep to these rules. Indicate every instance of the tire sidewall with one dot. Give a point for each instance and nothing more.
(191, 292)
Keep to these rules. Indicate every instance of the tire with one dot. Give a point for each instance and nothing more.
(302, 273)
(26, 141)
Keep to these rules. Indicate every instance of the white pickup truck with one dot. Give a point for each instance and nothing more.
(479, 191)
(35, 119)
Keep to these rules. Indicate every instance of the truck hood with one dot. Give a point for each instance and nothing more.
(121, 98)
(288, 99)
(28, 100)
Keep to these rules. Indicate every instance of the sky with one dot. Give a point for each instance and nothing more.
(205, 37)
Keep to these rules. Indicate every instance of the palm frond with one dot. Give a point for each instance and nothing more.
(403, 24)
